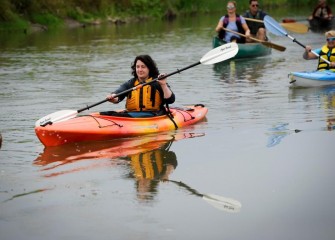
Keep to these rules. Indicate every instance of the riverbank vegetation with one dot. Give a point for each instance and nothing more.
(22, 14)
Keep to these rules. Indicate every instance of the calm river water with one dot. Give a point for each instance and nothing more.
(249, 148)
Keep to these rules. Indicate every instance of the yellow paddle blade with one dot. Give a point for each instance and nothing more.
(295, 27)
(291, 26)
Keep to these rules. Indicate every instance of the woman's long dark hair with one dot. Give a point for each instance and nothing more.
(149, 62)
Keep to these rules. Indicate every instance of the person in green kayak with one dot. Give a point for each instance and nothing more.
(146, 101)
(232, 21)
(254, 16)
(327, 52)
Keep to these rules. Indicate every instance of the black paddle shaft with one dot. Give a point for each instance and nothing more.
(295, 40)
(139, 86)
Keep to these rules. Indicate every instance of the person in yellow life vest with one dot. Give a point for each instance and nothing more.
(327, 52)
(146, 101)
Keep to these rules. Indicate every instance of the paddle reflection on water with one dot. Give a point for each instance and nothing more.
(239, 69)
(278, 132)
(151, 167)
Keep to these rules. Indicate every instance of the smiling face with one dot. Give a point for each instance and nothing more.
(142, 70)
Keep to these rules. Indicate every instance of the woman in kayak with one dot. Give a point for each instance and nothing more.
(234, 22)
(327, 52)
(146, 101)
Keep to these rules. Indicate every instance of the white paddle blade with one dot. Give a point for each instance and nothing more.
(220, 54)
(56, 117)
(223, 203)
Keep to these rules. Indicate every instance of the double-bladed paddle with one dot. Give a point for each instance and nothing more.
(291, 26)
(265, 43)
(215, 55)
(276, 29)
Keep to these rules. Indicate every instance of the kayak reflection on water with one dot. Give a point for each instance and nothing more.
(150, 160)
(66, 158)
(308, 96)
(325, 96)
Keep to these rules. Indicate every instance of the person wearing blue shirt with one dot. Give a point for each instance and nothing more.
(234, 22)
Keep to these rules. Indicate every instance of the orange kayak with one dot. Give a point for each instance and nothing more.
(96, 127)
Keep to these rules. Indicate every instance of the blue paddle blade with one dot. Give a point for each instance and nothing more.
(273, 26)
(278, 30)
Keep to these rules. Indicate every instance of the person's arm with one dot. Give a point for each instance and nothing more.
(246, 30)
(111, 97)
(169, 96)
(219, 26)
(165, 87)
(315, 10)
(308, 53)
(245, 27)
(171, 99)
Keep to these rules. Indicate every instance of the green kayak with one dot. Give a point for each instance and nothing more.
(248, 50)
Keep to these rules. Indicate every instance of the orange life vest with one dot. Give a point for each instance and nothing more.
(146, 98)
(147, 165)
